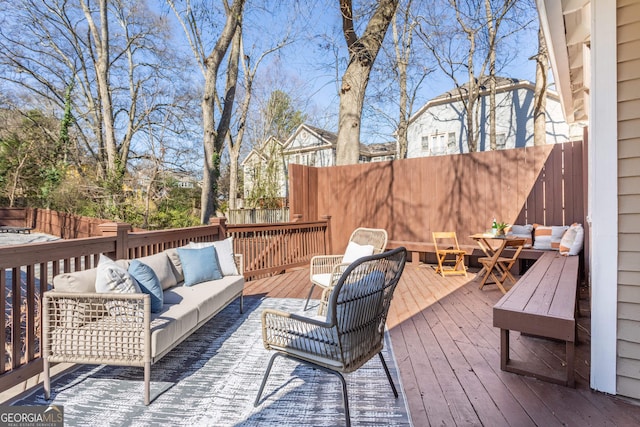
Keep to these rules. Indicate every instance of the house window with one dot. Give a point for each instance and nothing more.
(438, 144)
(501, 141)
(425, 143)
(451, 143)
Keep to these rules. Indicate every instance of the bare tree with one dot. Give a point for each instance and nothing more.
(112, 54)
(403, 29)
(469, 48)
(362, 54)
(214, 133)
(540, 92)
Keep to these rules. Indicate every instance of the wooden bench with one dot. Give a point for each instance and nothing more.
(542, 303)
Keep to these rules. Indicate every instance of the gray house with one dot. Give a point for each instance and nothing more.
(439, 127)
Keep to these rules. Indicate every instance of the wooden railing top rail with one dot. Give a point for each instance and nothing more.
(17, 256)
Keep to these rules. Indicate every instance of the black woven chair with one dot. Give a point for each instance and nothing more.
(353, 331)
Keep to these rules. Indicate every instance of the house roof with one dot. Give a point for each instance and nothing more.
(378, 149)
(503, 84)
(261, 151)
(328, 136)
(567, 30)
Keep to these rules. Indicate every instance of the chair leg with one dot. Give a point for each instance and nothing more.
(264, 379)
(47, 379)
(386, 370)
(345, 398)
(313, 285)
(147, 383)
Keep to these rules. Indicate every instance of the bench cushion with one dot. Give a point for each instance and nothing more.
(79, 281)
(170, 325)
(522, 232)
(207, 297)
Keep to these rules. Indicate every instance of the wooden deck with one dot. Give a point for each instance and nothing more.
(448, 353)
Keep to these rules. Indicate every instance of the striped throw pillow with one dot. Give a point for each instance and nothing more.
(548, 237)
(572, 241)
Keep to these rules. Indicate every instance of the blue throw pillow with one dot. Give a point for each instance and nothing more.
(199, 265)
(148, 282)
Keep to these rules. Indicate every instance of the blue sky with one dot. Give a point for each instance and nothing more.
(308, 63)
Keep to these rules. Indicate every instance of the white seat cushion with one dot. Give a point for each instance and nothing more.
(170, 324)
(322, 279)
(206, 298)
(356, 251)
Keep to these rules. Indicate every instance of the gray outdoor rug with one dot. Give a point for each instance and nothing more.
(212, 379)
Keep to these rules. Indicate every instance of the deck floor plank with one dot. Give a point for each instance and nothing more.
(485, 341)
(448, 355)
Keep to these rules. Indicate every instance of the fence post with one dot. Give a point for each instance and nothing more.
(121, 231)
(328, 244)
(221, 222)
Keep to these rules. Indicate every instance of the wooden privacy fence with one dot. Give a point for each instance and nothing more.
(61, 224)
(26, 271)
(413, 197)
(258, 216)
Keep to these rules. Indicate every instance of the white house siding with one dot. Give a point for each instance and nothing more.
(628, 72)
(443, 124)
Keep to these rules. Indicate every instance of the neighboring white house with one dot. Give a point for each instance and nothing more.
(439, 127)
(265, 164)
(307, 145)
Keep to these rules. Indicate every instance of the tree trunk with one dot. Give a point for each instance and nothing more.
(362, 54)
(211, 154)
(402, 51)
(540, 93)
(101, 40)
(234, 155)
(472, 96)
(491, 31)
(354, 84)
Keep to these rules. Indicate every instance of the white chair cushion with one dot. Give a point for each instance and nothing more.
(322, 279)
(356, 251)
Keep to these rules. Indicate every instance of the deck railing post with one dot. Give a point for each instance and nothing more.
(328, 244)
(121, 231)
(221, 222)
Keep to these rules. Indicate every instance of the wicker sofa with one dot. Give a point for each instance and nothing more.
(83, 326)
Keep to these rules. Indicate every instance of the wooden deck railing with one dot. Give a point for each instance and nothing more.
(273, 248)
(27, 271)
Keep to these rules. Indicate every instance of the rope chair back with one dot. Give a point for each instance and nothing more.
(360, 303)
(376, 237)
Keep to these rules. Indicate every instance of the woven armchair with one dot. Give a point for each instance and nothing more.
(353, 330)
(325, 270)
